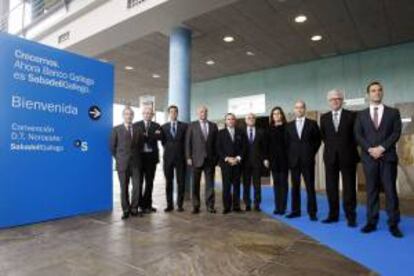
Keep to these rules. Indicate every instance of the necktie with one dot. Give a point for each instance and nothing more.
(146, 127)
(231, 134)
(130, 130)
(376, 119)
(251, 135)
(173, 129)
(336, 120)
(204, 129)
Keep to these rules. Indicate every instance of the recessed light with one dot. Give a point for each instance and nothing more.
(316, 38)
(156, 76)
(300, 18)
(249, 53)
(210, 62)
(129, 68)
(228, 38)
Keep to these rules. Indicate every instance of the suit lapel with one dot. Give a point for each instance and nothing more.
(331, 124)
(305, 128)
(200, 131)
(384, 117)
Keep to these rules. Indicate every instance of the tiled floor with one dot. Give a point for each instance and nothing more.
(167, 244)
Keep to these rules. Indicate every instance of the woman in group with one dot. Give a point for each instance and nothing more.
(278, 159)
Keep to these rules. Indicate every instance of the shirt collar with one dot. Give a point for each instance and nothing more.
(339, 111)
(380, 106)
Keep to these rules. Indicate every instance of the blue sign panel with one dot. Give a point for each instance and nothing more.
(55, 122)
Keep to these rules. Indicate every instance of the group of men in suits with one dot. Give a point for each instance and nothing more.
(241, 153)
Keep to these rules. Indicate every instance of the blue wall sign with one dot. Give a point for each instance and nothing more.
(55, 122)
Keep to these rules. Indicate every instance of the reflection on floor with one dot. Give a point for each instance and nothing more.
(167, 244)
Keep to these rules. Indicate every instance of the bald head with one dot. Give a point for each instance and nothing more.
(300, 108)
(250, 119)
(202, 112)
(147, 113)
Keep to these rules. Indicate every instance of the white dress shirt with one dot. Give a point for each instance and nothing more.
(147, 125)
(380, 112)
(339, 112)
(206, 125)
(132, 129)
(253, 128)
(300, 123)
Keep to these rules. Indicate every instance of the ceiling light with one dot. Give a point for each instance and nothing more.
(316, 38)
(228, 39)
(300, 18)
(210, 62)
(129, 68)
(249, 53)
(156, 76)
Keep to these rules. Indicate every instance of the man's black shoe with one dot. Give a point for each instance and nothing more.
(125, 215)
(396, 232)
(330, 220)
(168, 209)
(369, 228)
(293, 215)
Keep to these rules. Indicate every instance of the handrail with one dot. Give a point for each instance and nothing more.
(27, 13)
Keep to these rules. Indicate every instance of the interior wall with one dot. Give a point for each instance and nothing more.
(393, 66)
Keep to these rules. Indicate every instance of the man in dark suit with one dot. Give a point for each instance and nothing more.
(302, 140)
(340, 156)
(377, 131)
(149, 155)
(252, 163)
(173, 140)
(125, 141)
(231, 150)
(201, 155)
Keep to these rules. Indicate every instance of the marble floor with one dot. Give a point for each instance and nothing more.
(167, 244)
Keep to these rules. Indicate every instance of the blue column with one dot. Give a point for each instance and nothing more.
(180, 71)
(179, 87)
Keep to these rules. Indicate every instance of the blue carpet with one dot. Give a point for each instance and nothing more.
(378, 251)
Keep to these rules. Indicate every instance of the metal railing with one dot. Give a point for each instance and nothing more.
(23, 14)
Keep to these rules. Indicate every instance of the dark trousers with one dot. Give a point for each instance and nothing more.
(280, 189)
(251, 173)
(308, 173)
(231, 179)
(180, 168)
(209, 171)
(348, 189)
(147, 173)
(124, 177)
(377, 172)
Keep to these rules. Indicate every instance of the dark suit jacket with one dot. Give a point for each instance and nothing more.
(255, 152)
(302, 150)
(151, 139)
(339, 145)
(387, 135)
(228, 148)
(197, 148)
(174, 148)
(277, 149)
(125, 149)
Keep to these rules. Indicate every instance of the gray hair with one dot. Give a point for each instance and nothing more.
(336, 92)
(202, 107)
(128, 108)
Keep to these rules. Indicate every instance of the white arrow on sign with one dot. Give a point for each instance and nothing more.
(96, 113)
